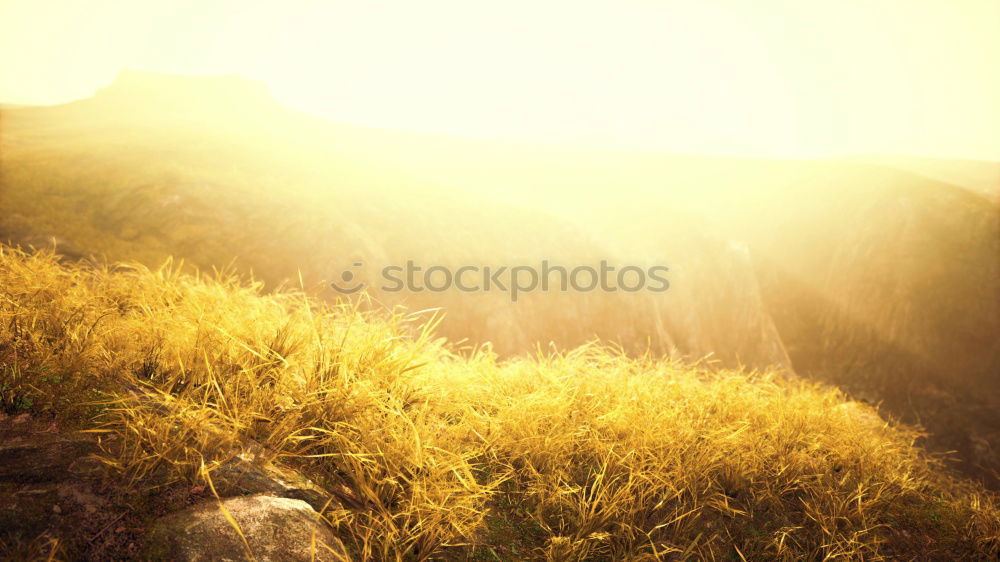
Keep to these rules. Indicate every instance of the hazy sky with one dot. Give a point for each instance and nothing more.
(770, 77)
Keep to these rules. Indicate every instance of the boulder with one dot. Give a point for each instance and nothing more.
(275, 529)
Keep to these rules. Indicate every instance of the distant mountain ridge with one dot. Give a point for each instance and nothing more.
(167, 90)
(979, 176)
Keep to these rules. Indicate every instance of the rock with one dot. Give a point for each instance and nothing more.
(44, 457)
(242, 476)
(275, 529)
(47, 481)
(72, 510)
(26, 509)
(52, 484)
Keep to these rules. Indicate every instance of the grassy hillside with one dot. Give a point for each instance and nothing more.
(284, 195)
(580, 455)
(901, 307)
(856, 272)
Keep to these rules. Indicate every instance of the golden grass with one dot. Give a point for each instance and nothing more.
(580, 455)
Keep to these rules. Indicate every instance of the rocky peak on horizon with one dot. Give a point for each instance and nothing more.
(140, 90)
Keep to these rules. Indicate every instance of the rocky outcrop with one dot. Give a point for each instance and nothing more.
(50, 487)
(54, 491)
(46, 457)
(242, 476)
(270, 528)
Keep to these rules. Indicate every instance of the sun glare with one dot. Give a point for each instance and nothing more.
(816, 78)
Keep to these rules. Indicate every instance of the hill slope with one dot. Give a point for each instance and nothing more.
(880, 280)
